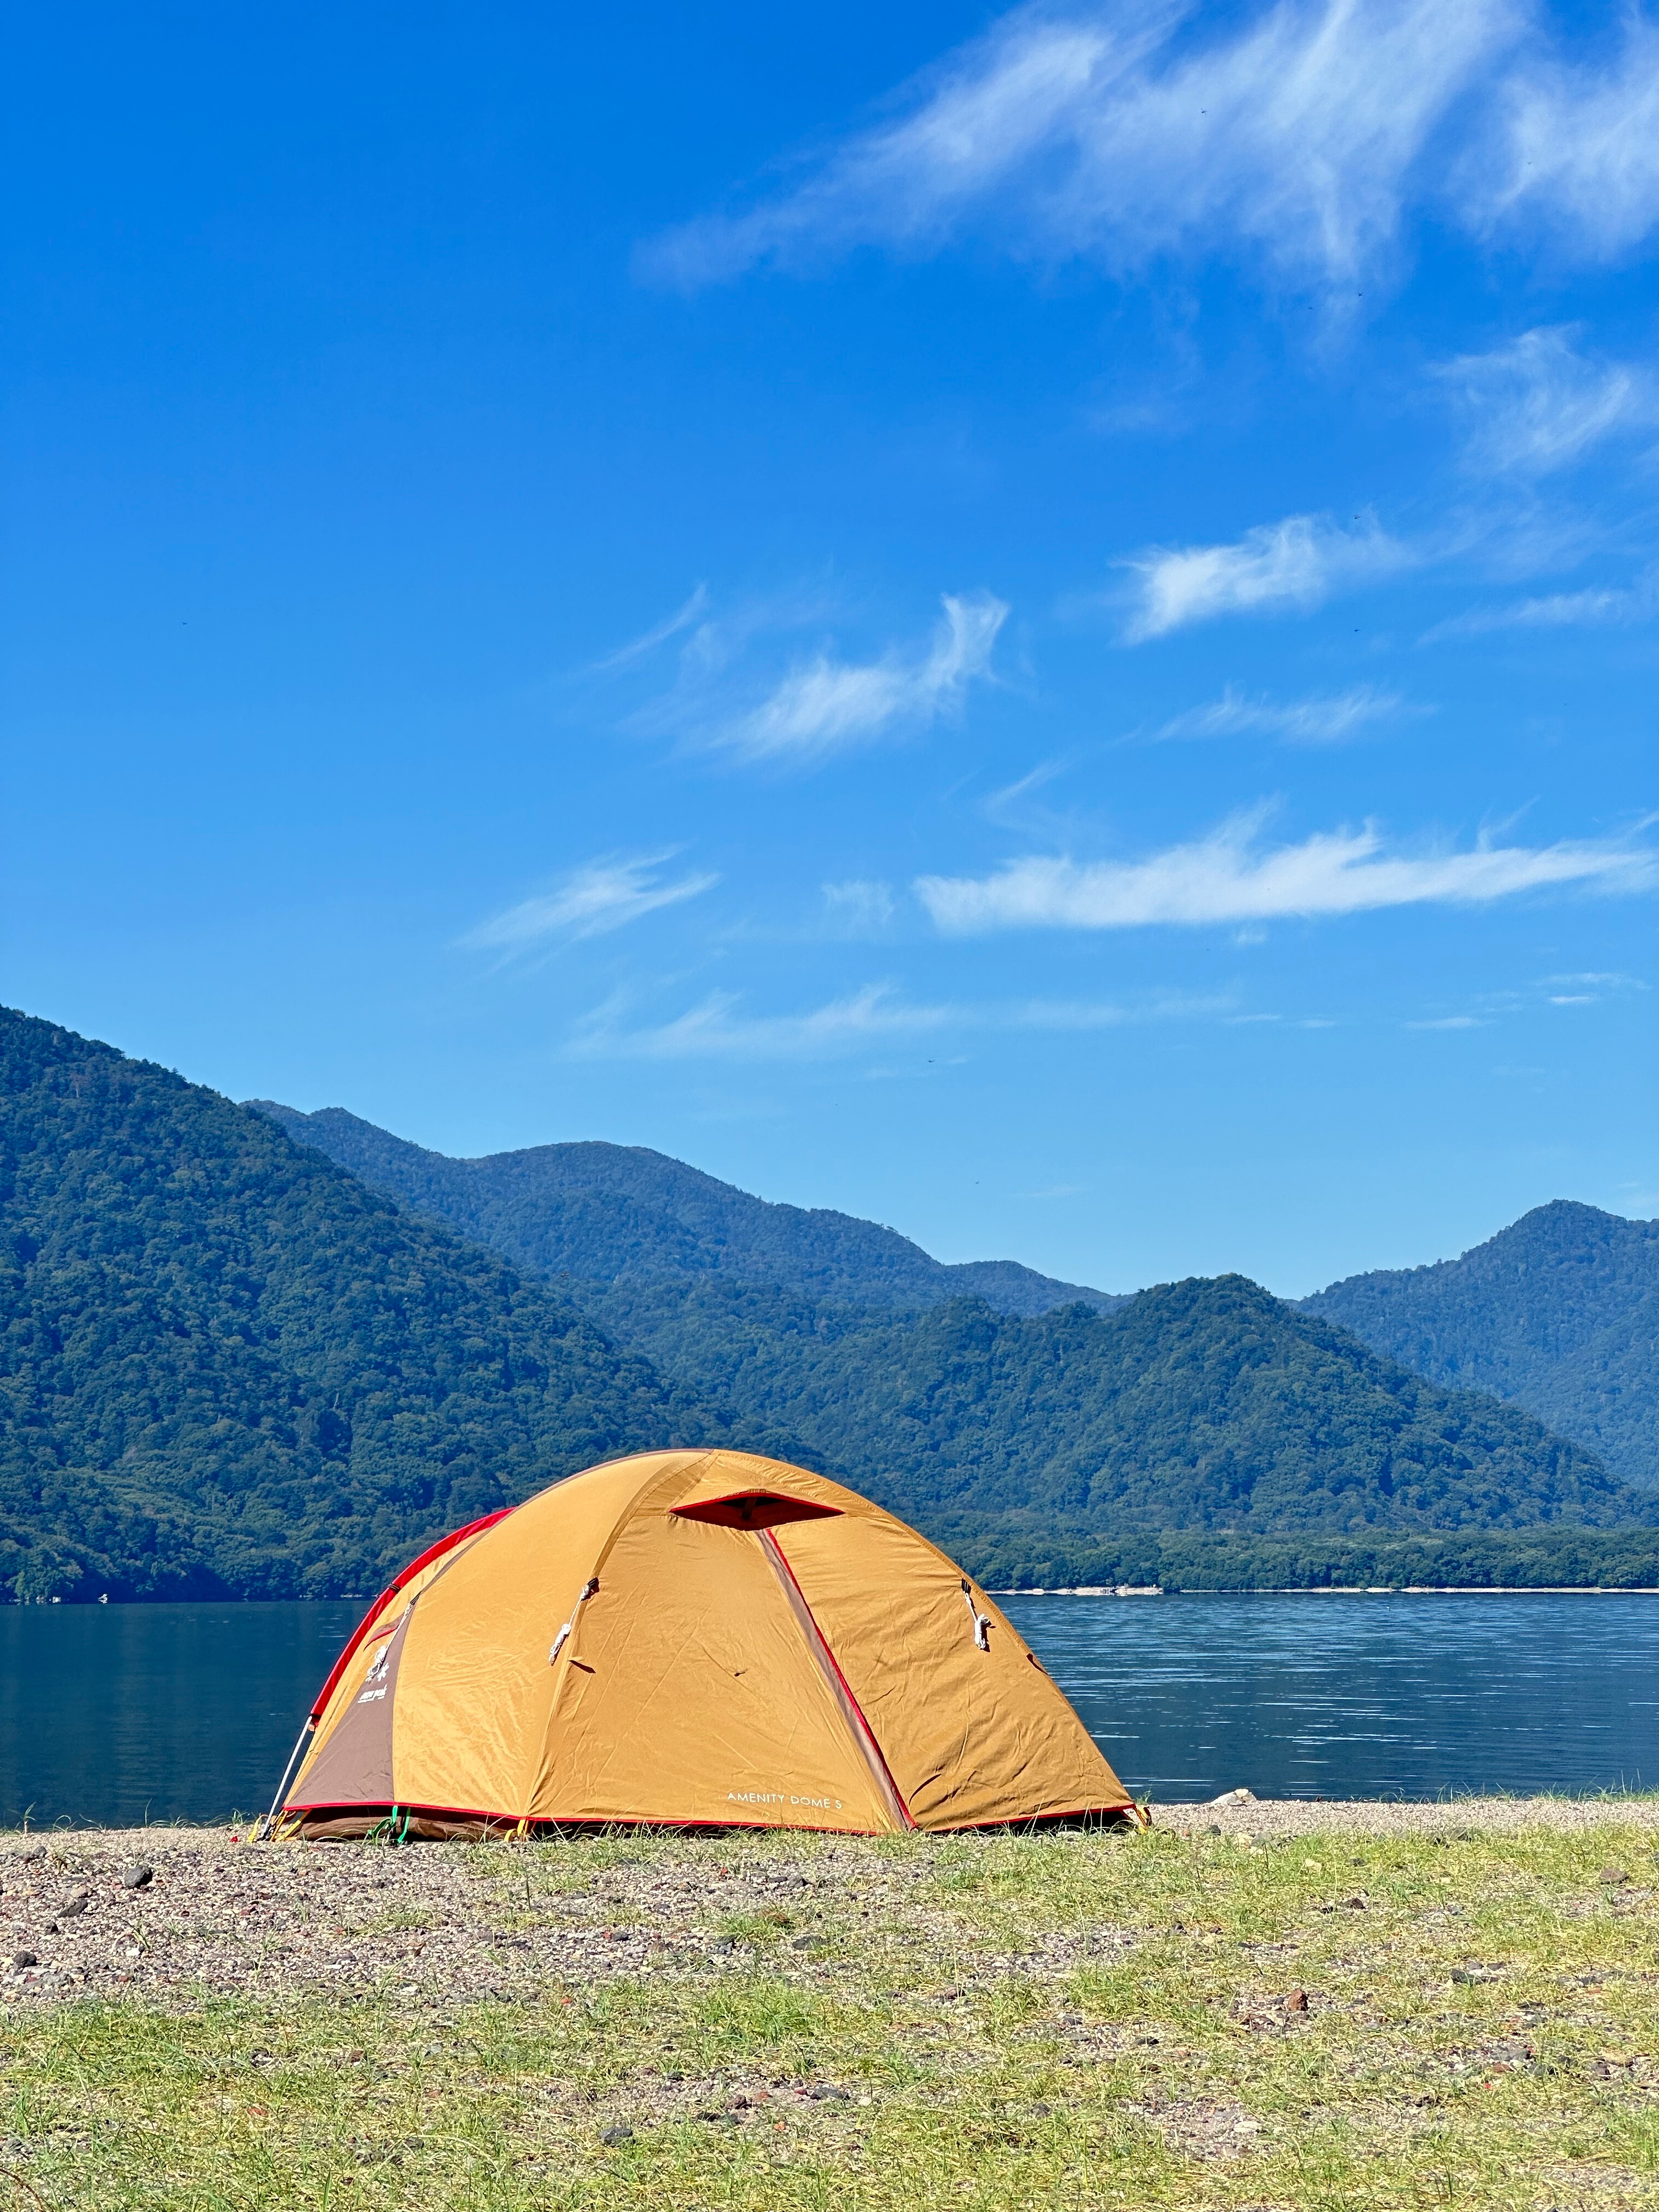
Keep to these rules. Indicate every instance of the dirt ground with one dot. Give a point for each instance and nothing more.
(165, 1913)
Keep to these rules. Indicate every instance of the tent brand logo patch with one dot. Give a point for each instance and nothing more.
(780, 1798)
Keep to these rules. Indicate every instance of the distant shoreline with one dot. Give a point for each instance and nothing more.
(992, 1590)
(1353, 1589)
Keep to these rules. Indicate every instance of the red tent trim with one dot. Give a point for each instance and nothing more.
(432, 1552)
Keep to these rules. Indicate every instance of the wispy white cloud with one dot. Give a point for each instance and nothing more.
(690, 610)
(1576, 147)
(859, 907)
(1278, 568)
(1588, 987)
(601, 895)
(1021, 807)
(735, 692)
(719, 1029)
(1607, 606)
(826, 705)
(1539, 404)
(1123, 133)
(1327, 720)
(1602, 979)
(1231, 876)
(1453, 1022)
(1103, 1014)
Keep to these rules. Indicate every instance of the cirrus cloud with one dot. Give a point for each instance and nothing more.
(1330, 719)
(1576, 147)
(600, 895)
(1278, 568)
(735, 695)
(718, 1028)
(1603, 606)
(826, 705)
(1121, 133)
(1537, 404)
(1231, 876)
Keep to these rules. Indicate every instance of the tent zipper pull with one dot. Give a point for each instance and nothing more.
(563, 1636)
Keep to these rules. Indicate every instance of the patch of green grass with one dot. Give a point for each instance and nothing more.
(1021, 2023)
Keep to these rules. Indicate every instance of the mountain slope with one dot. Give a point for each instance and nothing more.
(1202, 1405)
(1558, 1313)
(609, 1212)
(225, 1364)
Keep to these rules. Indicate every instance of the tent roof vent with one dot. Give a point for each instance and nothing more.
(755, 1509)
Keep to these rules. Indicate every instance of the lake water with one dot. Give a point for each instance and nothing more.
(119, 1714)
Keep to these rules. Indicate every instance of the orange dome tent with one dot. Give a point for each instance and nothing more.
(690, 1637)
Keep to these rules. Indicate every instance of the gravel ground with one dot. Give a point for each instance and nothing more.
(170, 1914)
(1272, 1817)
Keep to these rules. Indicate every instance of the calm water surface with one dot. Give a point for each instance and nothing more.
(123, 1713)
(1316, 1695)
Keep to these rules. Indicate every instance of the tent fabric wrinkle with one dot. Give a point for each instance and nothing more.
(753, 1645)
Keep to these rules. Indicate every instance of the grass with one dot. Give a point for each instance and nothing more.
(1016, 2023)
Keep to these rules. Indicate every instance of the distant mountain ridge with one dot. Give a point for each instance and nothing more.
(1205, 1404)
(1558, 1313)
(1199, 1405)
(227, 1365)
(608, 1214)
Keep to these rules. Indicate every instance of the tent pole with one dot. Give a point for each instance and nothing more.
(261, 1834)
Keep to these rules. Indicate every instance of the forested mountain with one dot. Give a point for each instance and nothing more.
(1207, 1405)
(618, 1213)
(225, 1364)
(1559, 1312)
(1200, 1405)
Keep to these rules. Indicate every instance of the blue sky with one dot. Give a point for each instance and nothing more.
(1040, 626)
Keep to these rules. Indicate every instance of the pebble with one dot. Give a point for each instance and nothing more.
(76, 1903)
(22, 1958)
(617, 2136)
(1296, 2001)
(1612, 1876)
(137, 1875)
